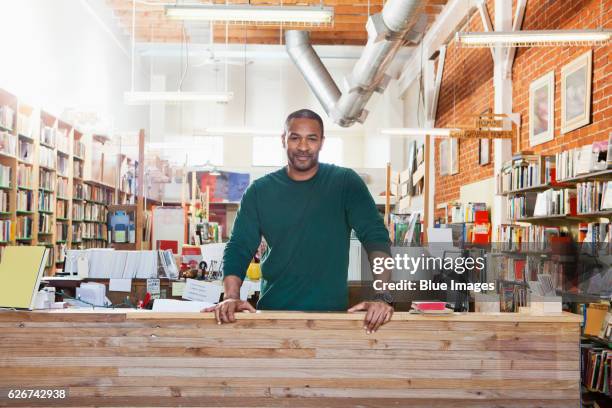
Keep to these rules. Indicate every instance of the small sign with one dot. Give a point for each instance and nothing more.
(178, 288)
(153, 287)
(120, 285)
(202, 291)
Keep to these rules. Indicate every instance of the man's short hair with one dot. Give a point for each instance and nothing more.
(304, 114)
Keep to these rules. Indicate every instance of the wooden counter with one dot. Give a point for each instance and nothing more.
(284, 359)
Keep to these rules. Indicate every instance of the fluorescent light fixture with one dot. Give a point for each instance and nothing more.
(416, 132)
(538, 38)
(252, 14)
(135, 98)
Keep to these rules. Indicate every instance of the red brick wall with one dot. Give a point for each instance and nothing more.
(467, 86)
(466, 89)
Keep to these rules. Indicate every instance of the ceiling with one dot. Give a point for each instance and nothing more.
(350, 17)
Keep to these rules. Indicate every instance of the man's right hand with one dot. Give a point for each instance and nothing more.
(224, 311)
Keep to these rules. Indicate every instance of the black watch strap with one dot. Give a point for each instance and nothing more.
(383, 297)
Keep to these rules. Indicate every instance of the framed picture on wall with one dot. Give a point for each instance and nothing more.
(444, 157)
(576, 93)
(484, 156)
(541, 109)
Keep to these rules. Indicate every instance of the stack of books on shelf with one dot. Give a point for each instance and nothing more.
(7, 115)
(62, 232)
(94, 231)
(595, 232)
(97, 194)
(24, 200)
(582, 160)
(62, 209)
(77, 169)
(5, 230)
(24, 176)
(77, 232)
(78, 192)
(8, 144)
(26, 151)
(406, 229)
(521, 206)
(46, 157)
(5, 176)
(48, 135)
(594, 196)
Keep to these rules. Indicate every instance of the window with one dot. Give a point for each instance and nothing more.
(332, 151)
(268, 151)
(195, 151)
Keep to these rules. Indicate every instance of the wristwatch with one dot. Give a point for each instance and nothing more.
(383, 297)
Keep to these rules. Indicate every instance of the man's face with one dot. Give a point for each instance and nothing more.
(303, 142)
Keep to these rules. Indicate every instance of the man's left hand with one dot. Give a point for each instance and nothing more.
(377, 314)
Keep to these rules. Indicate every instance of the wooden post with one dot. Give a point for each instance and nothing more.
(140, 191)
(388, 197)
(426, 204)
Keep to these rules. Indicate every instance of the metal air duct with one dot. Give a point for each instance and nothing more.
(387, 31)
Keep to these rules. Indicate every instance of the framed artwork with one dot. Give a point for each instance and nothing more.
(449, 156)
(576, 93)
(484, 152)
(541, 109)
(444, 157)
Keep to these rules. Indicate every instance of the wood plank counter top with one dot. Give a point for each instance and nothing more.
(109, 358)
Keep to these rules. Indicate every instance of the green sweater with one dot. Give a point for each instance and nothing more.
(307, 226)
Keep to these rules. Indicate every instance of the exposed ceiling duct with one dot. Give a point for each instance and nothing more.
(387, 32)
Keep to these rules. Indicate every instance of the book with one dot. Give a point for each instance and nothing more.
(21, 269)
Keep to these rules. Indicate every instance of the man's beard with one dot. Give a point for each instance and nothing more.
(303, 165)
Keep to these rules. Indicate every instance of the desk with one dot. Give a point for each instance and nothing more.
(285, 359)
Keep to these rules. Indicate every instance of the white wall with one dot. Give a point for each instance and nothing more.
(66, 55)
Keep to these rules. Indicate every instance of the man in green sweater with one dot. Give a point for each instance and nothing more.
(305, 211)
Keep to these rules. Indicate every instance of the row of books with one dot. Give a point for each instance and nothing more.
(79, 149)
(4, 201)
(78, 211)
(7, 115)
(406, 229)
(77, 232)
(97, 231)
(95, 193)
(594, 196)
(460, 212)
(62, 187)
(24, 176)
(62, 141)
(24, 125)
(526, 170)
(24, 227)
(8, 144)
(26, 151)
(77, 169)
(45, 222)
(554, 202)
(93, 244)
(95, 212)
(5, 176)
(595, 232)
(46, 157)
(61, 207)
(24, 200)
(5, 230)
(77, 191)
(61, 230)
(524, 238)
(62, 165)
(596, 368)
(48, 135)
(583, 160)
(45, 179)
(45, 201)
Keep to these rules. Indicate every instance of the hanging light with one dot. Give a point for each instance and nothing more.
(536, 38)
